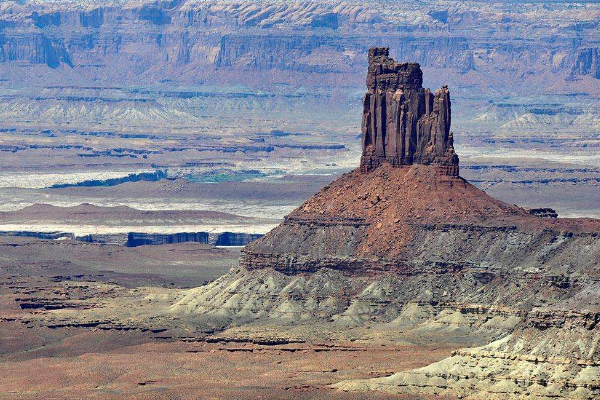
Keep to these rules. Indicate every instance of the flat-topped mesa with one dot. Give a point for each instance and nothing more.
(404, 124)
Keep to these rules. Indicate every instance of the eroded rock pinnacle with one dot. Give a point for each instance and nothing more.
(403, 123)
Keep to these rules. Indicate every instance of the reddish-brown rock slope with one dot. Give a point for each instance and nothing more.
(395, 218)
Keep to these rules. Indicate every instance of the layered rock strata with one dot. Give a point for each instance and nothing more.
(235, 238)
(86, 41)
(415, 255)
(141, 239)
(403, 249)
(404, 124)
(587, 63)
(414, 219)
(557, 359)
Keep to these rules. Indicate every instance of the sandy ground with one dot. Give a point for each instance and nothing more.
(180, 265)
(38, 361)
(178, 370)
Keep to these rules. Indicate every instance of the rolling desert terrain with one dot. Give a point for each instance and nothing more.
(263, 199)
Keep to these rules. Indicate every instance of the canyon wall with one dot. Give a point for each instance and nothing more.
(198, 42)
(587, 63)
(235, 238)
(142, 239)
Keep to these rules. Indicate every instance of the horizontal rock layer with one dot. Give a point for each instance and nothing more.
(87, 42)
(430, 257)
(556, 361)
(404, 220)
(134, 239)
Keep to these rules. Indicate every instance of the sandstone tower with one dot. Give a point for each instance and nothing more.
(403, 123)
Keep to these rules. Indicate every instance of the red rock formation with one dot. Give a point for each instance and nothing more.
(404, 124)
(406, 201)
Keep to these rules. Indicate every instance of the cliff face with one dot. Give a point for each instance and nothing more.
(587, 63)
(404, 124)
(142, 239)
(235, 239)
(189, 41)
(411, 220)
(406, 211)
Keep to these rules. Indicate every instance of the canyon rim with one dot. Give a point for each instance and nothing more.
(262, 200)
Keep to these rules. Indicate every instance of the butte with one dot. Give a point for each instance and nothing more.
(403, 249)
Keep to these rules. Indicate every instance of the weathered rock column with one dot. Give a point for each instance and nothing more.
(403, 123)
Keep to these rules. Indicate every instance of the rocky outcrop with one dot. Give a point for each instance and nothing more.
(36, 48)
(404, 124)
(543, 212)
(285, 52)
(104, 238)
(412, 220)
(235, 238)
(88, 41)
(39, 235)
(142, 176)
(135, 239)
(410, 213)
(413, 255)
(142, 239)
(587, 63)
(407, 250)
(558, 360)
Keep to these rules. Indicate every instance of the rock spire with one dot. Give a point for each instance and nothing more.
(404, 124)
